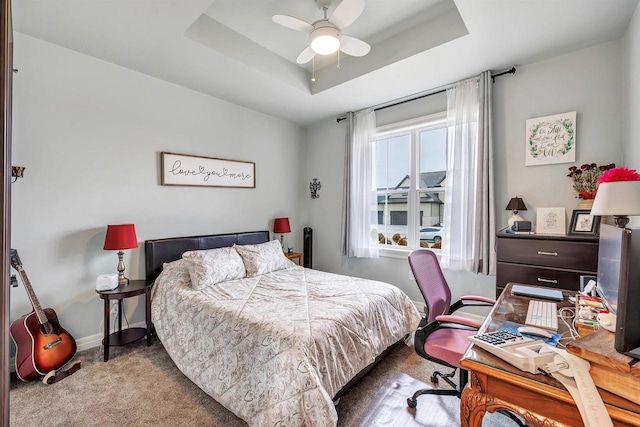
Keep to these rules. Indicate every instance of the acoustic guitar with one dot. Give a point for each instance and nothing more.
(42, 345)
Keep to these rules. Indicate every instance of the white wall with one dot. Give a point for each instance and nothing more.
(587, 81)
(632, 92)
(89, 134)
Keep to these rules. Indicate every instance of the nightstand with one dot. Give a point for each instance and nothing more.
(129, 335)
(295, 255)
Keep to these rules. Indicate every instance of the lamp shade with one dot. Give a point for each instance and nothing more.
(120, 236)
(516, 204)
(617, 198)
(281, 225)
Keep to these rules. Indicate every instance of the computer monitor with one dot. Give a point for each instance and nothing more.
(619, 284)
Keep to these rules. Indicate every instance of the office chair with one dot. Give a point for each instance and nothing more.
(441, 337)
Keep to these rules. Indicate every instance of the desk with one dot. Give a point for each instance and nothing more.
(539, 399)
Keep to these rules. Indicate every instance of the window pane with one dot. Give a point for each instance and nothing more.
(392, 219)
(433, 158)
(393, 159)
(431, 215)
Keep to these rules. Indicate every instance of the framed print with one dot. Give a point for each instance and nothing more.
(551, 139)
(550, 221)
(183, 169)
(583, 223)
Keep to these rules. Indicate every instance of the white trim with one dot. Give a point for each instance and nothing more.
(434, 121)
(401, 252)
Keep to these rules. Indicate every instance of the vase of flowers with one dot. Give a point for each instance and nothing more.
(585, 182)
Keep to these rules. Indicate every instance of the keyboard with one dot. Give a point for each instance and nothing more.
(542, 314)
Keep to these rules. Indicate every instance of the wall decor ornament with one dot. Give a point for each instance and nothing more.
(199, 171)
(314, 187)
(551, 139)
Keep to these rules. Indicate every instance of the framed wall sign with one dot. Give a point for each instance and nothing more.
(584, 224)
(551, 139)
(183, 169)
(550, 221)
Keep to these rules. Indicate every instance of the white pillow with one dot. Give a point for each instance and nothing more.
(208, 267)
(263, 258)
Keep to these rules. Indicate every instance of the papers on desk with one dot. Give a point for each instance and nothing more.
(513, 328)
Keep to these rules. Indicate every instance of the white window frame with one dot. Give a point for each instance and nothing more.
(413, 127)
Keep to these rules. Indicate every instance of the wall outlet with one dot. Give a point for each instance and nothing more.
(114, 308)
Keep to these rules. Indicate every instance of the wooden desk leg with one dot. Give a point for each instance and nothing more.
(105, 340)
(473, 403)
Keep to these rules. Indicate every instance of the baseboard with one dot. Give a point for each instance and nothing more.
(84, 343)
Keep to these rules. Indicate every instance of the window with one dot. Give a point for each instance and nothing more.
(411, 163)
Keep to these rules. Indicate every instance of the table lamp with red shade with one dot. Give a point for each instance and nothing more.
(281, 226)
(119, 237)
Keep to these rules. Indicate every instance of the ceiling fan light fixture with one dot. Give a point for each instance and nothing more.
(325, 40)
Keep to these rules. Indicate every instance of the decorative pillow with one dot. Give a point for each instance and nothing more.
(263, 258)
(208, 267)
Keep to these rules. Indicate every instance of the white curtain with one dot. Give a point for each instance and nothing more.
(360, 209)
(469, 207)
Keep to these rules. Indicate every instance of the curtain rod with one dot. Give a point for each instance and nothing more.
(436, 91)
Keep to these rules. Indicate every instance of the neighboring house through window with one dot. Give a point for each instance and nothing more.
(411, 162)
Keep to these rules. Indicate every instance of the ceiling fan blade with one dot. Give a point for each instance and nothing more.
(305, 56)
(353, 46)
(292, 22)
(347, 12)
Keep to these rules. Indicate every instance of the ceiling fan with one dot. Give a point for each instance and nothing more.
(325, 35)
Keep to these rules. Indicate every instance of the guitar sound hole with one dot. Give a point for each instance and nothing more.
(46, 328)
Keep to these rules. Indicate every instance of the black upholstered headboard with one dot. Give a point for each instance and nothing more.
(159, 251)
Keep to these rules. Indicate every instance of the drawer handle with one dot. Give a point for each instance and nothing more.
(548, 253)
(540, 279)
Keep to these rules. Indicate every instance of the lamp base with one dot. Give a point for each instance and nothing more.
(122, 281)
(621, 220)
(513, 218)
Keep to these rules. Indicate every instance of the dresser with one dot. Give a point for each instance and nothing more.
(545, 260)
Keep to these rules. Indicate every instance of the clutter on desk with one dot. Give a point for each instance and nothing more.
(587, 309)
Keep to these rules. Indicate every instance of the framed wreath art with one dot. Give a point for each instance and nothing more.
(551, 139)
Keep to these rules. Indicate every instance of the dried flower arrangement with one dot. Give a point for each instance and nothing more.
(585, 179)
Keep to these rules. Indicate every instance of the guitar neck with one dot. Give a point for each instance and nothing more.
(42, 318)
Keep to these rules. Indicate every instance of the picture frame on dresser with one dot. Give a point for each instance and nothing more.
(550, 221)
(583, 223)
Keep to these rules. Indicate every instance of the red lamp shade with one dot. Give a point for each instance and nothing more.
(121, 236)
(281, 225)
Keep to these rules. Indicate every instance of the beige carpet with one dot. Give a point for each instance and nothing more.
(140, 386)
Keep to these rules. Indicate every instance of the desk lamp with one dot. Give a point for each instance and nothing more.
(119, 237)
(619, 198)
(515, 204)
(281, 226)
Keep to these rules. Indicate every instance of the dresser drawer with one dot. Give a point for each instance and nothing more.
(549, 253)
(549, 277)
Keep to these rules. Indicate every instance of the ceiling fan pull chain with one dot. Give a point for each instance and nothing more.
(338, 58)
(313, 69)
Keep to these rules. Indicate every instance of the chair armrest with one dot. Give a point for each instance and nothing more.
(478, 298)
(471, 301)
(446, 318)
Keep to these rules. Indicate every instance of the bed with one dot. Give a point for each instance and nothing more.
(279, 345)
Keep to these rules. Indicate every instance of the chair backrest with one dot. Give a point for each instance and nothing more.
(431, 281)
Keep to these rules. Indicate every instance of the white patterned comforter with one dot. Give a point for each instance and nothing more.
(274, 349)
